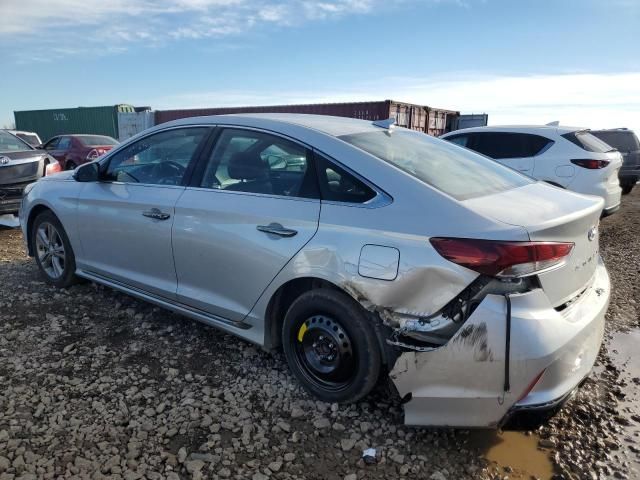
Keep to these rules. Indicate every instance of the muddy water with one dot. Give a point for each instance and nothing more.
(624, 350)
(515, 453)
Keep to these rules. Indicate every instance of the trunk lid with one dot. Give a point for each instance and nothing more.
(551, 214)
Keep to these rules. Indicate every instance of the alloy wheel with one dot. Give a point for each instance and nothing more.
(50, 250)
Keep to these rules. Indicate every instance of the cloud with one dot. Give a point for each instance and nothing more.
(105, 27)
(587, 100)
(35, 17)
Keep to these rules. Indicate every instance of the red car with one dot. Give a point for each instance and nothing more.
(74, 150)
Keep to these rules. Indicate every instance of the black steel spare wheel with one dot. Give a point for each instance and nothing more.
(331, 345)
(325, 352)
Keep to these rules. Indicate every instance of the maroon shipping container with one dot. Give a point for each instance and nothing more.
(433, 121)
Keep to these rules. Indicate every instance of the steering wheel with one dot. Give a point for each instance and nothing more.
(168, 172)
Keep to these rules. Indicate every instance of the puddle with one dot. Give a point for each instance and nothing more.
(625, 354)
(516, 450)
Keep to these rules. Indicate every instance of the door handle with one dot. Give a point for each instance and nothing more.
(277, 229)
(156, 214)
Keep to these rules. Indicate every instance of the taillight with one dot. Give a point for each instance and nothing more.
(93, 154)
(53, 167)
(502, 259)
(591, 164)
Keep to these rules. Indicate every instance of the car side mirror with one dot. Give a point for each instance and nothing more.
(89, 172)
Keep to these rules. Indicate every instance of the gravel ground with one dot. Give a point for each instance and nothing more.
(98, 385)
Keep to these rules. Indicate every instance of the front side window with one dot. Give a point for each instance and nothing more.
(52, 144)
(159, 159)
(64, 143)
(457, 172)
(10, 143)
(256, 162)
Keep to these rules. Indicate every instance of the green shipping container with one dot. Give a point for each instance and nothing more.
(58, 121)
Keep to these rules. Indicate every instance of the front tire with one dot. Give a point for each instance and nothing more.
(331, 346)
(52, 250)
(69, 165)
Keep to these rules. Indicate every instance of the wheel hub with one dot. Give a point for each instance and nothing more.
(325, 351)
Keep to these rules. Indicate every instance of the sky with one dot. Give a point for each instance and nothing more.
(522, 62)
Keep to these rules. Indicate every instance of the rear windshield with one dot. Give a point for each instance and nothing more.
(623, 140)
(587, 142)
(11, 143)
(97, 140)
(29, 138)
(453, 170)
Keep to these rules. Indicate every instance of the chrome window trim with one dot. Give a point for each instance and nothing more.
(253, 194)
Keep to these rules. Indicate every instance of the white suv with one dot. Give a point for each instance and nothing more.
(567, 157)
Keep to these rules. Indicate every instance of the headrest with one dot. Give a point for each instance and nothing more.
(247, 166)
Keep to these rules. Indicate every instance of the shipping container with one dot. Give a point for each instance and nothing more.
(471, 120)
(132, 123)
(433, 121)
(58, 121)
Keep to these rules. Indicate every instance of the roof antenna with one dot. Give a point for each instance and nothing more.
(555, 123)
(388, 123)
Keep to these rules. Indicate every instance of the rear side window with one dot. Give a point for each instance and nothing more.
(455, 171)
(587, 142)
(623, 140)
(500, 145)
(30, 139)
(338, 185)
(97, 140)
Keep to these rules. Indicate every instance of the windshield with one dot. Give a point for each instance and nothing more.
(623, 140)
(453, 170)
(587, 142)
(11, 143)
(97, 140)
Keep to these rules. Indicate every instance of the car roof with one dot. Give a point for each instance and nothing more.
(329, 125)
(547, 129)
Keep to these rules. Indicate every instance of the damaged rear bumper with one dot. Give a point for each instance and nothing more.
(461, 384)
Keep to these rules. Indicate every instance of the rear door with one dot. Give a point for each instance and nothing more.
(251, 207)
(125, 220)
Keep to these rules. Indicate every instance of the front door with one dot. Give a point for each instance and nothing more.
(125, 220)
(253, 208)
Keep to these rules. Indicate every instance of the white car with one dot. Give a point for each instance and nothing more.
(566, 157)
(31, 138)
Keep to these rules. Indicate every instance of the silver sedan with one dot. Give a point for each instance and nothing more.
(365, 251)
